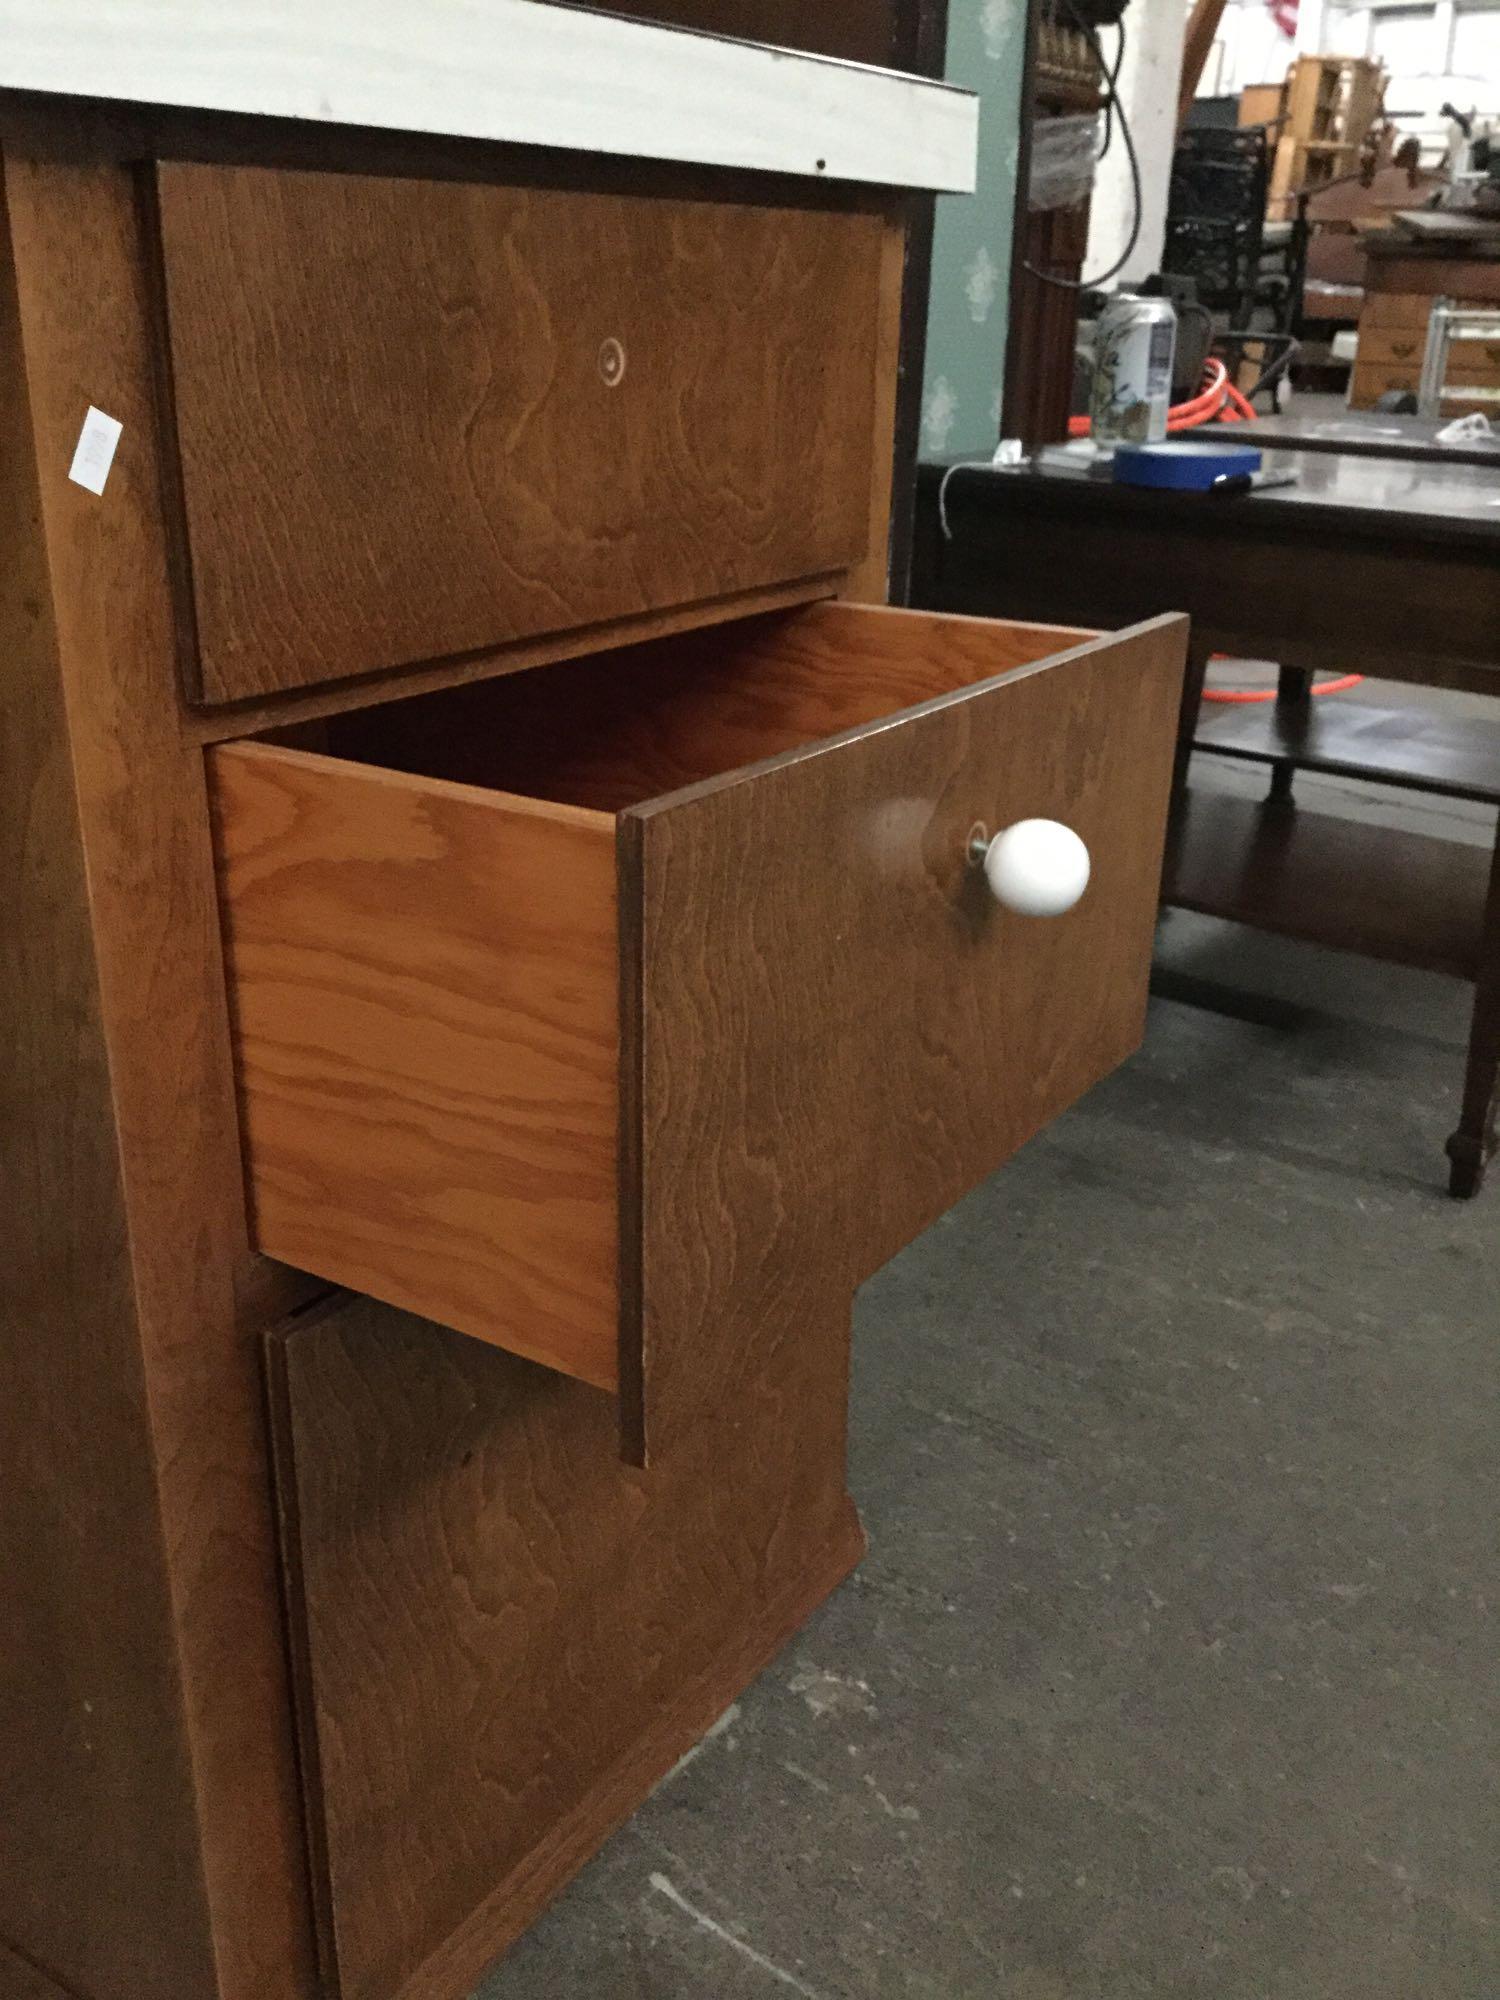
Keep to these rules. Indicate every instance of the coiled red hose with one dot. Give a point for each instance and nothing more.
(1217, 401)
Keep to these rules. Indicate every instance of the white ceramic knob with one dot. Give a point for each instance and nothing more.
(1038, 867)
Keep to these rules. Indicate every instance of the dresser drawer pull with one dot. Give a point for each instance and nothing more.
(1038, 867)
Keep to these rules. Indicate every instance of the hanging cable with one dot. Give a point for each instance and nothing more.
(1114, 78)
(1112, 101)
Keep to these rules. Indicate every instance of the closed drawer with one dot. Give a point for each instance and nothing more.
(1390, 312)
(525, 972)
(420, 418)
(1468, 360)
(1373, 378)
(1475, 361)
(1392, 346)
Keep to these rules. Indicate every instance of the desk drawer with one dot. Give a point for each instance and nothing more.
(526, 972)
(1392, 347)
(420, 418)
(1474, 361)
(1372, 379)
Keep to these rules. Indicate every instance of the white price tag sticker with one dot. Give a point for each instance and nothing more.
(96, 450)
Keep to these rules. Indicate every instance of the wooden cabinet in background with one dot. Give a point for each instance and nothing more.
(1401, 286)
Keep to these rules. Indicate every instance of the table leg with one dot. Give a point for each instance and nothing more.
(1471, 1145)
(1293, 689)
(1187, 725)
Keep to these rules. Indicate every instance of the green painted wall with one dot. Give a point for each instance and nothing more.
(971, 246)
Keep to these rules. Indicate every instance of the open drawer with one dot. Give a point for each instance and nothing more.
(556, 993)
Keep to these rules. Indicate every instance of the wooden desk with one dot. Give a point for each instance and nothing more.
(1378, 565)
(494, 953)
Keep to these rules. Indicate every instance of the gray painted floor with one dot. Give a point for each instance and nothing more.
(1172, 1670)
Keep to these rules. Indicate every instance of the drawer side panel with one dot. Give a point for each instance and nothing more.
(424, 989)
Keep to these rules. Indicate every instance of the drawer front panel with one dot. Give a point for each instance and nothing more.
(1468, 360)
(1373, 378)
(840, 1031)
(1476, 361)
(1392, 346)
(1395, 312)
(419, 418)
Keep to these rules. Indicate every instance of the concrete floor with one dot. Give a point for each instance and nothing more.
(1173, 1668)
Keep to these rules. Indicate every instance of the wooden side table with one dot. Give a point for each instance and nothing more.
(1385, 565)
(1412, 898)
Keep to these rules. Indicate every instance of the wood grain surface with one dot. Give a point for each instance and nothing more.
(98, 1870)
(425, 974)
(158, 1819)
(613, 730)
(264, 715)
(829, 1032)
(852, 30)
(1425, 751)
(425, 1016)
(346, 890)
(414, 444)
(840, 1031)
(868, 580)
(1409, 897)
(20, 1980)
(509, 1635)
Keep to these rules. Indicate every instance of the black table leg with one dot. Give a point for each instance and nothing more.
(1472, 1144)
(1187, 725)
(1293, 689)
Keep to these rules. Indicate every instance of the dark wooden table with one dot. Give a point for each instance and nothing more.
(1372, 434)
(1377, 564)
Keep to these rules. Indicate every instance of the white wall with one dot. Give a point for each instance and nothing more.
(1148, 85)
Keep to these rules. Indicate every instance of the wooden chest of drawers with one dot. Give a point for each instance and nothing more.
(506, 949)
(1393, 330)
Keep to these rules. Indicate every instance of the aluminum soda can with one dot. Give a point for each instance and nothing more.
(1134, 342)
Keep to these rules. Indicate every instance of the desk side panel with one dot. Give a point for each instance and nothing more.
(175, 1457)
(98, 1864)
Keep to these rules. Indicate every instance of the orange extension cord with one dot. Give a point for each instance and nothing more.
(1269, 694)
(1219, 401)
